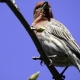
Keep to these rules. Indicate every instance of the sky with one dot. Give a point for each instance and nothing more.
(17, 48)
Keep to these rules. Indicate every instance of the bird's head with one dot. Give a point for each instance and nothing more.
(43, 9)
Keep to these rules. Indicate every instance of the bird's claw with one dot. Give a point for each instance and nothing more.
(50, 59)
(41, 63)
(38, 58)
(50, 62)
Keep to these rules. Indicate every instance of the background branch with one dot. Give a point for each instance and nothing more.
(51, 68)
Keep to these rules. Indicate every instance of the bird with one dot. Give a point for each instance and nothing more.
(55, 38)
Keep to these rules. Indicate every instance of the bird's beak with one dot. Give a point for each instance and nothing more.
(45, 7)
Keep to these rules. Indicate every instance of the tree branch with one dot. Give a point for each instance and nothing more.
(2, 0)
(51, 68)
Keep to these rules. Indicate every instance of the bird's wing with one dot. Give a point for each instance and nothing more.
(61, 32)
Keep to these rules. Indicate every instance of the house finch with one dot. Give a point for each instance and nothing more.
(55, 38)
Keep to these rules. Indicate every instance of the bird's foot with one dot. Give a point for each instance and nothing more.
(50, 59)
(41, 62)
(50, 62)
(38, 58)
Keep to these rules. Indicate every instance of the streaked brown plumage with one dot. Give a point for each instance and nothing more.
(56, 39)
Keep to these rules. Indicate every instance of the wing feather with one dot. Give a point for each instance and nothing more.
(61, 32)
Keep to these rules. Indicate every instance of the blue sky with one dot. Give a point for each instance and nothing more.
(17, 48)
